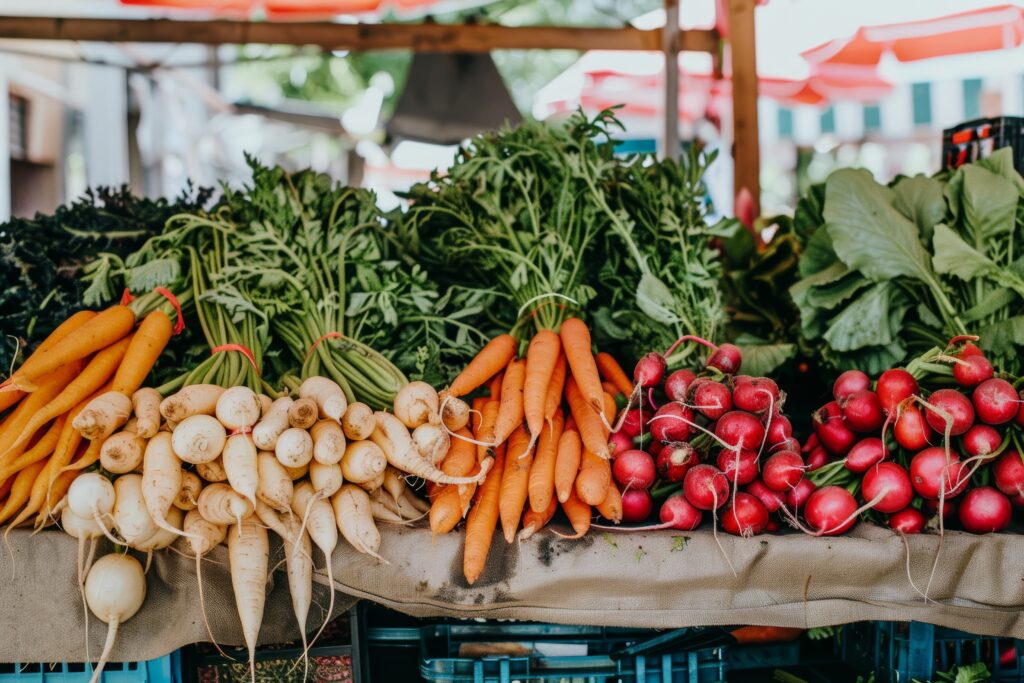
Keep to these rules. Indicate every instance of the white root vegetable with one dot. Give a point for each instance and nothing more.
(188, 494)
(239, 459)
(328, 442)
(131, 517)
(303, 413)
(164, 537)
(199, 439)
(354, 517)
(114, 590)
(161, 480)
(221, 504)
(84, 529)
(318, 518)
(358, 422)
(373, 484)
(394, 439)
(202, 536)
(417, 403)
(103, 415)
(296, 473)
(248, 556)
(380, 510)
(415, 501)
(294, 447)
(274, 421)
(275, 486)
(329, 398)
(265, 403)
(238, 408)
(212, 471)
(131, 426)
(146, 406)
(168, 426)
(454, 413)
(326, 479)
(122, 452)
(91, 496)
(196, 399)
(394, 483)
(406, 509)
(432, 442)
(363, 461)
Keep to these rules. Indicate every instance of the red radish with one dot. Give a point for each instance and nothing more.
(727, 358)
(740, 430)
(672, 422)
(972, 370)
(649, 370)
(811, 443)
(948, 507)
(1008, 472)
(995, 401)
(849, 382)
(789, 444)
(783, 470)
(895, 386)
(632, 423)
(677, 513)
(772, 526)
(817, 459)
(956, 405)
(637, 506)
(618, 442)
(1020, 412)
(907, 521)
(911, 429)
(746, 516)
(755, 395)
(866, 453)
(678, 383)
(1017, 500)
(675, 460)
(634, 469)
(887, 487)
(984, 510)
(832, 432)
(798, 495)
(981, 440)
(705, 487)
(929, 472)
(830, 510)
(739, 471)
(771, 499)
(712, 399)
(969, 349)
(862, 411)
(780, 429)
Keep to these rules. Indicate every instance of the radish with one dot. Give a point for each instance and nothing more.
(1020, 412)
(1008, 472)
(862, 411)
(677, 513)
(740, 430)
(911, 429)
(816, 459)
(634, 469)
(746, 516)
(632, 423)
(995, 401)
(929, 472)
(238, 409)
(984, 510)
(887, 487)
(675, 460)
(907, 521)
(618, 443)
(780, 430)
(894, 387)
(981, 440)
(865, 454)
(705, 487)
(957, 406)
(1017, 500)
(798, 495)
(678, 383)
(712, 399)
(91, 496)
(115, 590)
(415, 404)
(970, 371)
(672, 423)
(726, 358)
(649, 370)
(739, 468)
(831, 511)
(783, 470)
(755, 395)
(832, 432)
(932, 507)
(637, 506)
(850, 382)
(770, 498)
(789, 444)
(248, 556)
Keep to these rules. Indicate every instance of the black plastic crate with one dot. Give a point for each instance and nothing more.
(977, 139)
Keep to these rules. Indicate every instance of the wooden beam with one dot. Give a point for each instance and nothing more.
(746, 144)
(426, 37)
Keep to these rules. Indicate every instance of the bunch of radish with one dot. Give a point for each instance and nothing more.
(937, 442)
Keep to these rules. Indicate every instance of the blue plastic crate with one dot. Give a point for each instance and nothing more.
(162, 670)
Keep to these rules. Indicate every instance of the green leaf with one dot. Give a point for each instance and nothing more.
(921, 200)
(989, 203)
(927, 316)
(760, 360)
(1000, 162)
(953, 256)
(818, 254)
(156, 273)
(830, 294)
(865, 321)
(654, 298)
(1002, 338)
(993, 301)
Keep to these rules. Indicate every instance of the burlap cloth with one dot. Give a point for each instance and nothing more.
(662, 579)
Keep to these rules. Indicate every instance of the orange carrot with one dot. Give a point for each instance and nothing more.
(609, 405)
(494, 388)
(567, 463)
(146, 346)
(477, 414)
(535, 521)
(576, 343)
(510, 411)
(594, 478)
(578, 513)
(610, 389)
(489, 415)
(611, 507)
(40, 490)
(445, 510)
(495, 355)
(21, 489)
(461, 455)
(542, 473)
(50, 387)
(63, 330)
(553, 399)
(541, 359)
(63, 482)
(592, 430)
(514, 482)
(86, 459)
(9, 398)
(482, 520)
(70, 437)
(41, 449)
(610, 369)
(5, 488)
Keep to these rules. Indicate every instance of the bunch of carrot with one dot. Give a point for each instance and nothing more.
(541, 434)
(90, 364)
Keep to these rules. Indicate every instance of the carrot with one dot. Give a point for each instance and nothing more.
(63, 330)
(49, 388)
(86, 459)
(60, 488)
(42, 448)
(99, 332)
(461, 455)
(556, 386)
(146, 346)
(477, 414)
(38, 494)
(542, 473)
(611, 507)
(578, 513)
(491, 359)
(21, 489)
(592, 430)
(576, 343)
(514, 482)
(535, 521)
(494, 388)
(489, 415)
(9, 398)
(541, 359)
(609, 404)
(482, 520)
(567, 463)
(611, 389)
(445, 510)
(5, 488)
(594, 479)
(510, 411)
(611, 371)
(71, 437)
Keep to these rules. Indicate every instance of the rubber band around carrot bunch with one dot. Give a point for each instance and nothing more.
(242, 350)
(179, 324)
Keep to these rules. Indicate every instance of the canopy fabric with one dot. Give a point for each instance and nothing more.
(293, 9)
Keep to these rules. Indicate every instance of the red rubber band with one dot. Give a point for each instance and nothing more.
(241, 349)
(126, 297)
(179, 325)
(329, 335)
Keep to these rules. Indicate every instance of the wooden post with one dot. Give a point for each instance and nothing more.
(670, 47)
(746, 145)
